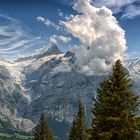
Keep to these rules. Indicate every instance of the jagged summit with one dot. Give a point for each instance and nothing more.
(51, 50)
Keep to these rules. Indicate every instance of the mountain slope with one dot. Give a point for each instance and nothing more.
(50, 82)
(10, 97)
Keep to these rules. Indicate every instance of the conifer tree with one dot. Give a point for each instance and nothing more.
(115, 108)
(72, 134)
(50, 135)
(42, 130)
(78, 129)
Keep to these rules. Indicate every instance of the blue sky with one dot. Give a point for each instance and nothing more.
(27, 25)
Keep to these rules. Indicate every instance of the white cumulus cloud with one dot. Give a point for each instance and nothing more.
(103, 40)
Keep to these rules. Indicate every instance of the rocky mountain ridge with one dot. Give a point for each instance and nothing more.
(48, 82)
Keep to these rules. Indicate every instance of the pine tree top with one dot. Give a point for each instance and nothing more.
(116, 105)
(42, 130)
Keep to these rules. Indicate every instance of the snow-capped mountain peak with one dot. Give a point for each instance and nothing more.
(51, 50)
(50, 82)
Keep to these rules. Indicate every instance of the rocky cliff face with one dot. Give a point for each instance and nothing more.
(55, 86)
(48, 82)
(10, 97)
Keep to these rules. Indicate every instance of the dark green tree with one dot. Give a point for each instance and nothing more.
(115, 108)
(42, 130)
(50, 135)
(78, 129)
(72, 134)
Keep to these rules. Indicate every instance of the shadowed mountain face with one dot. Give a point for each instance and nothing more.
(48, 82)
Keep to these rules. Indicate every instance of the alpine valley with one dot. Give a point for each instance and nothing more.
(48, 82)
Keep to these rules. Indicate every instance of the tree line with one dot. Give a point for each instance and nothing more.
(114, 112)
